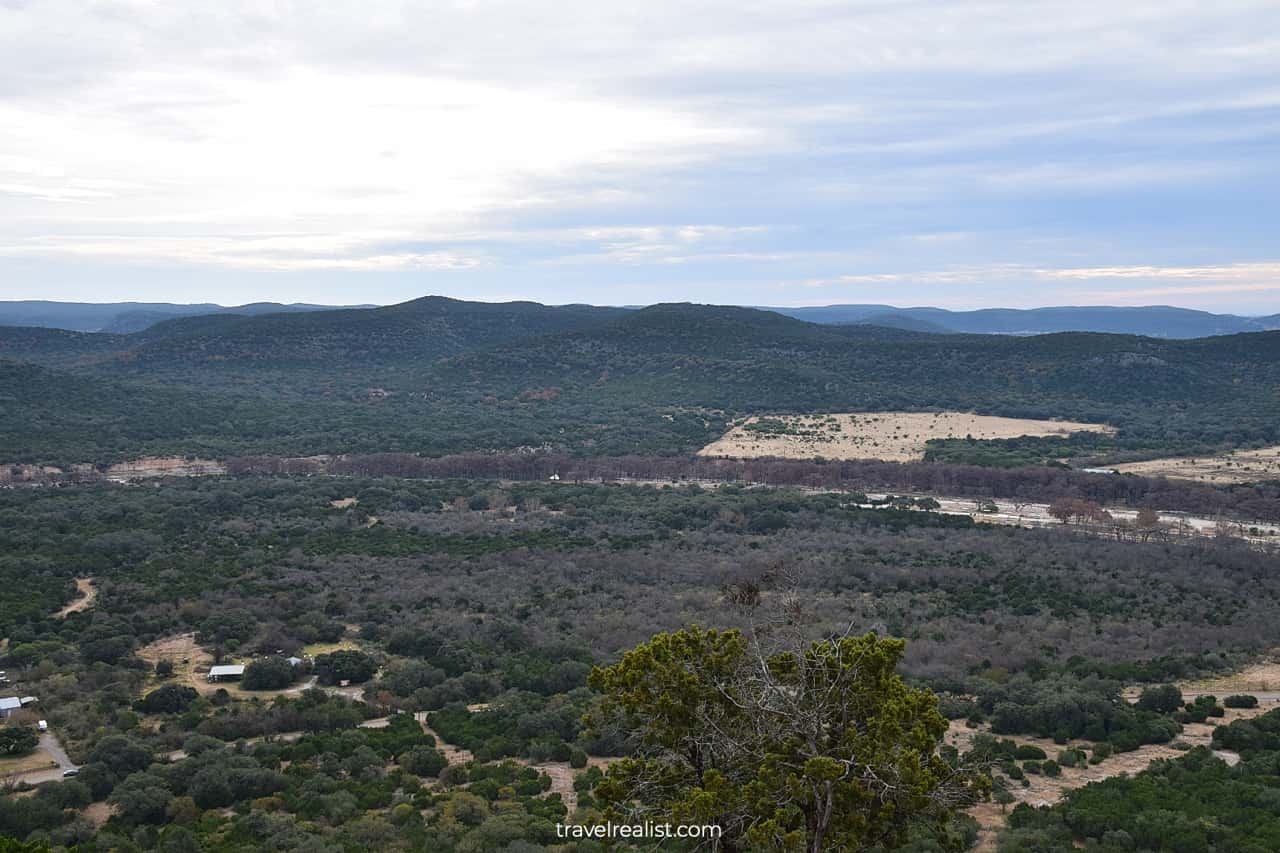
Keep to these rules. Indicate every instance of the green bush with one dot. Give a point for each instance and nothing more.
(267, 674)
(350, 665)
(17, 740)
(168, 699)
(1071, 757)
(423, 761)
(1163, 699)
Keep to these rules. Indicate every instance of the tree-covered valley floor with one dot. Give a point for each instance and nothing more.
(483, 605)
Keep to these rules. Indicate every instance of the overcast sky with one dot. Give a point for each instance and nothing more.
(960, 154)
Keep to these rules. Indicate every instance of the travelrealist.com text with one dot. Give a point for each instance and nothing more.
(646, 830)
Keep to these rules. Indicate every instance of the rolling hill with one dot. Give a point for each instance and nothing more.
(307, 346)
(437, 375)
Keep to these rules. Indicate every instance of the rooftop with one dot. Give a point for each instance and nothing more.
(227, 669)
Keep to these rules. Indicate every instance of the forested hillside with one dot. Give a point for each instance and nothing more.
(436, 376)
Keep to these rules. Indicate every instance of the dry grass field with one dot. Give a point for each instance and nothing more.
(1238, 466)
(891, 436)
(16, 766)
(314, 649)
(171, 466)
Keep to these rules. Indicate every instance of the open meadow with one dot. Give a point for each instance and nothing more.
(889, 436)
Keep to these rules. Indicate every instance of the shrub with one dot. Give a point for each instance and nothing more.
(423, 761)
(267, 674)
(168, 699)
(1241, 701)
(1164, 699)
(17, 740)
(345, 665)
(958, 707)
(1071, 757)
(1028, 752)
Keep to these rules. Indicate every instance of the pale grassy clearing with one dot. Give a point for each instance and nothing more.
(190, 662)
(314, 649)
(890, 436)
(19, 765)
(169, 466)
(1237, 466)
(1260, 679)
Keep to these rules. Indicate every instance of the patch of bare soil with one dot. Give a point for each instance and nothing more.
(890, 436)
(452, 754)
(190, 662)
(560, 773)
(1238, 466)
(99, 813)
(343, 503)
(88, 594)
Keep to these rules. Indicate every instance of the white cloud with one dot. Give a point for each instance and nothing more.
(698, 138)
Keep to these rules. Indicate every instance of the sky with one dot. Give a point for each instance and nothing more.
(760, 152)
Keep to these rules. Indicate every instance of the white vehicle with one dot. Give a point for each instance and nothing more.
(42, 726)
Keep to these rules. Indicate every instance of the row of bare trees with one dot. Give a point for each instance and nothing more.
(1041, 484)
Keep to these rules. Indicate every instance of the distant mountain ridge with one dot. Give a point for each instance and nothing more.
(1152, 321)
(125, 317)
(1156, 321)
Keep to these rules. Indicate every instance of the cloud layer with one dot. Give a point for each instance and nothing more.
(958, 154)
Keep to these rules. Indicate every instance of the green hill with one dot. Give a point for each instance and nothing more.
(437, 375)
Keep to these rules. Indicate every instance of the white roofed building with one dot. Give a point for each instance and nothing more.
(226, 672)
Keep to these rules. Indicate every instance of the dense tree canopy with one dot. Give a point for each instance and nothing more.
(822, 747)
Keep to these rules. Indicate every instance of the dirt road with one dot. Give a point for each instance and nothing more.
(1046, 791)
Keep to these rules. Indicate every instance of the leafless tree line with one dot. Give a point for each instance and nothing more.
(1043, 484)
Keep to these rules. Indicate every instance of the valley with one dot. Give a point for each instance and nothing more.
(420, 591)
(699, 427)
